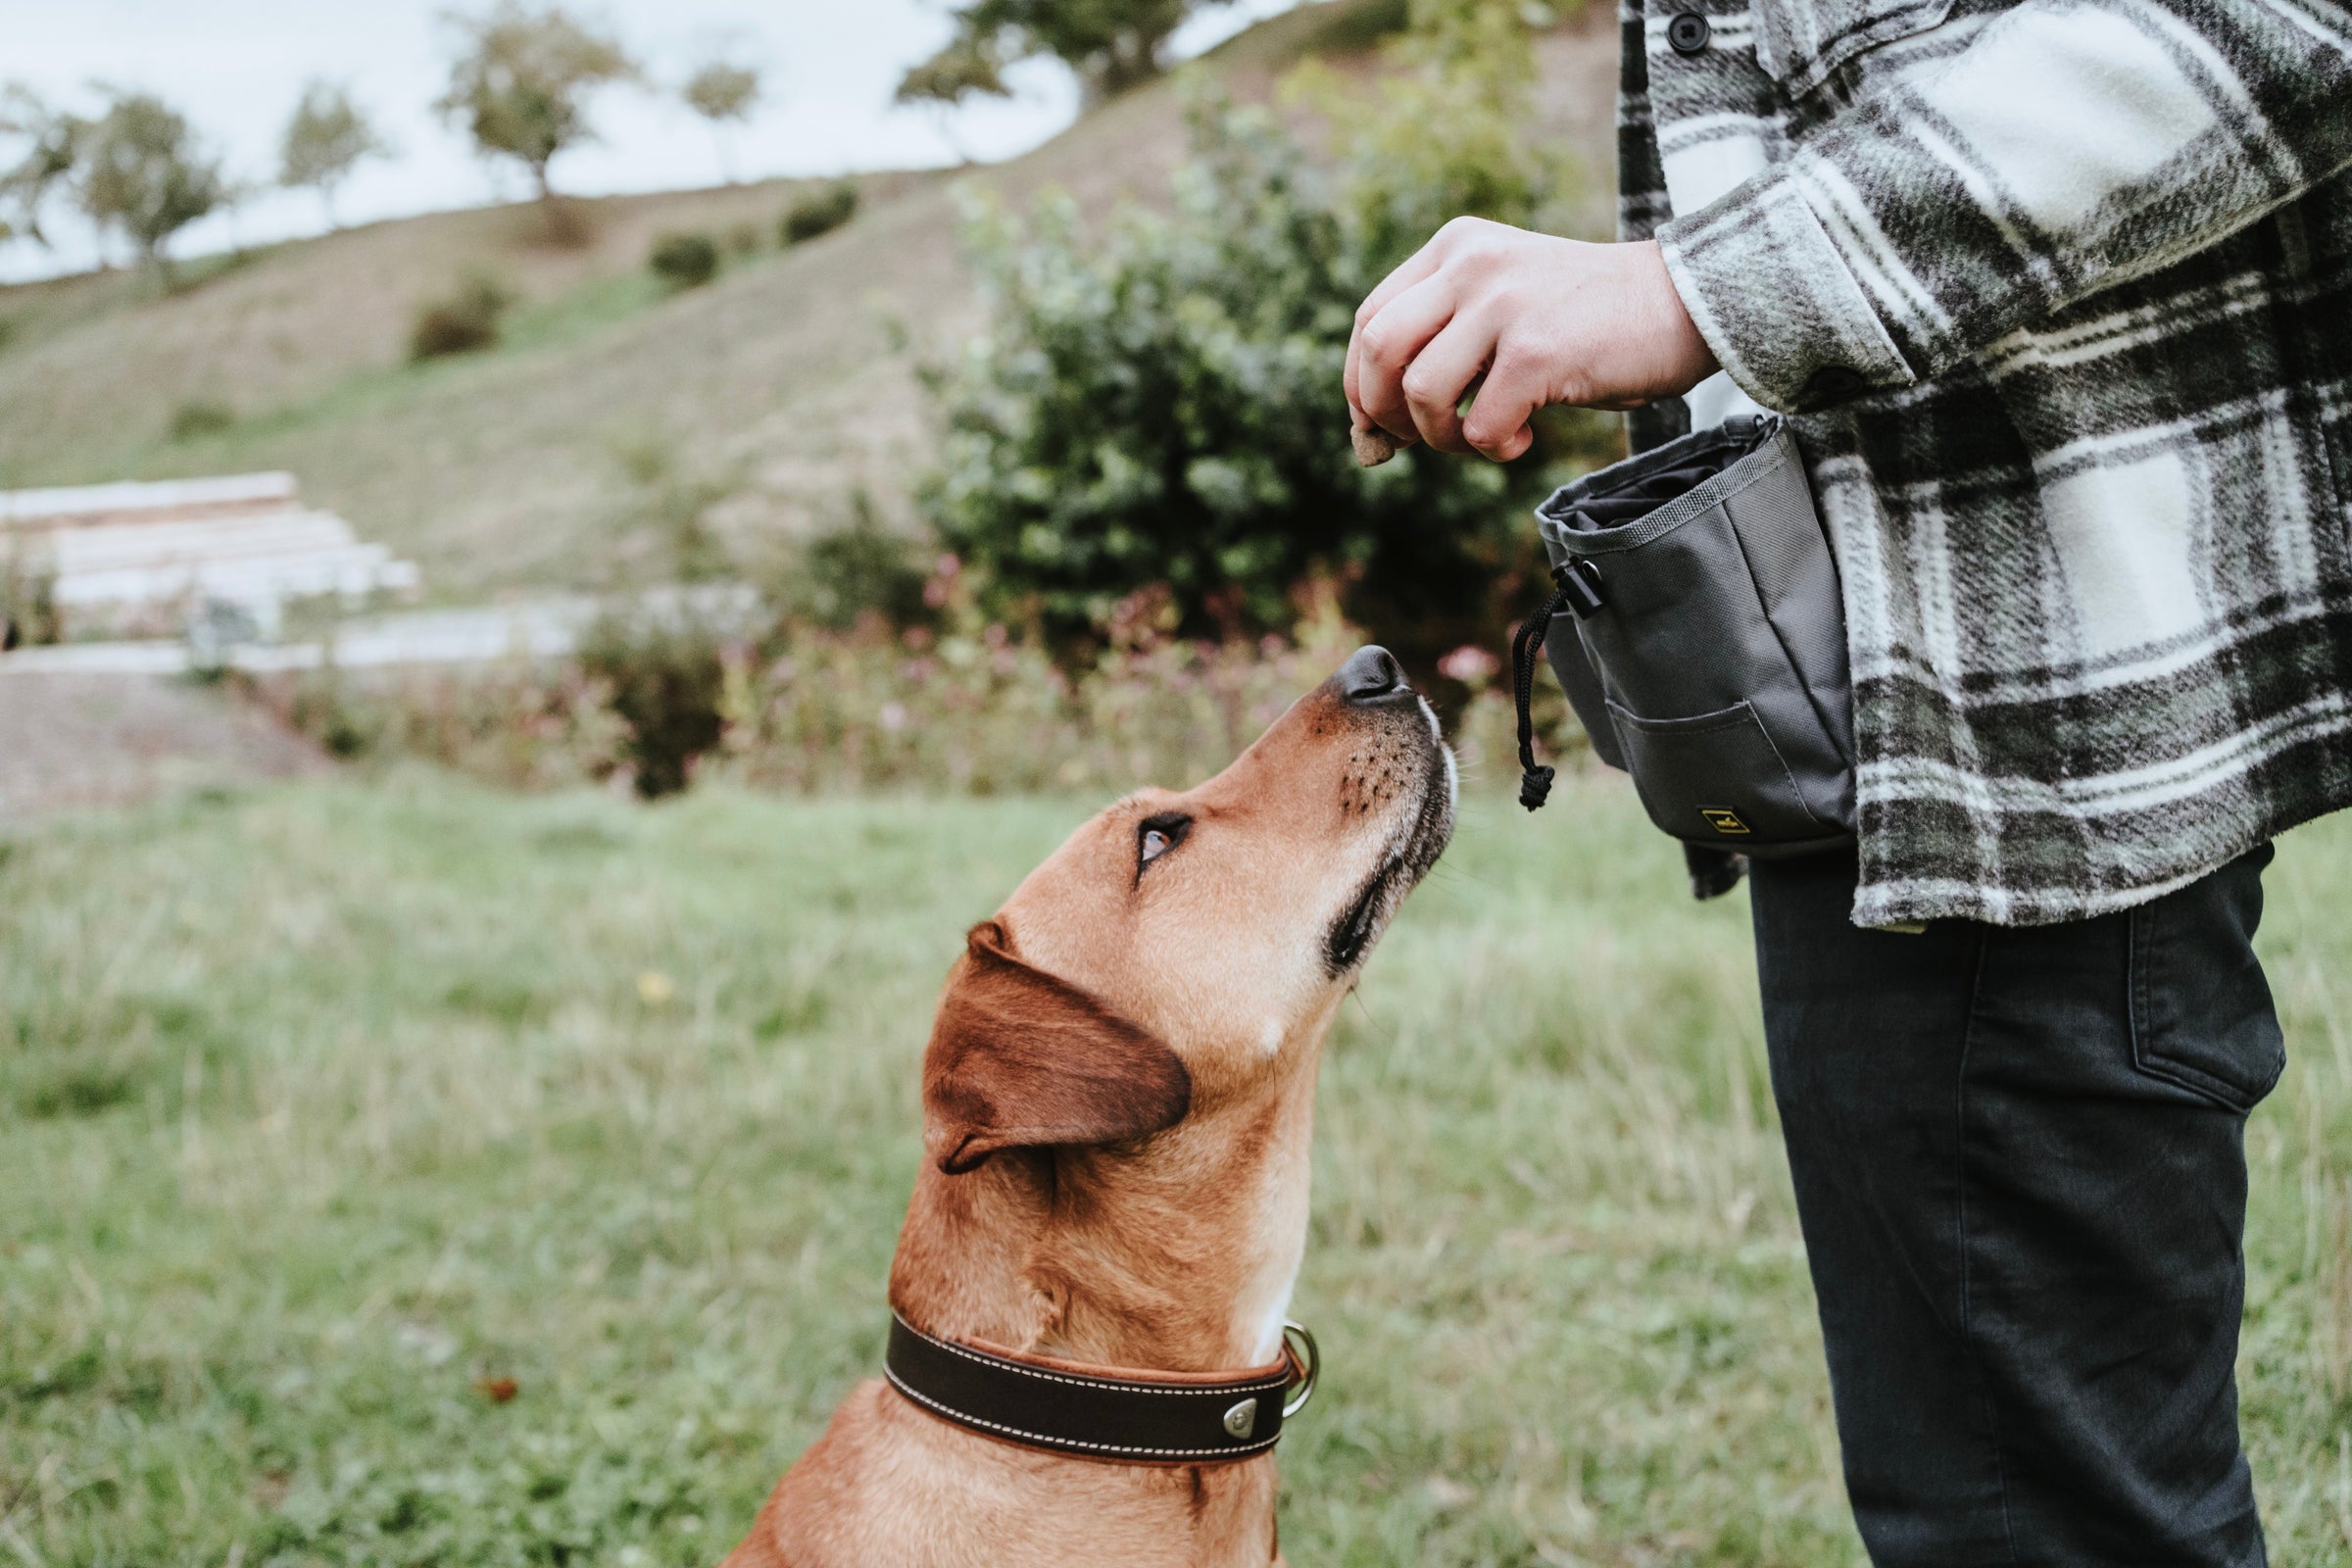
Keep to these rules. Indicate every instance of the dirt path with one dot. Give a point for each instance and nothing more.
(76, 740)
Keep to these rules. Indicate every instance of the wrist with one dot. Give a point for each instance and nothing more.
(1684, 356)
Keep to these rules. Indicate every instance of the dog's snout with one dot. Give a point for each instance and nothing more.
(1370, 674)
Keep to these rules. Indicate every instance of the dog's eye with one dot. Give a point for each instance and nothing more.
(1155, 836)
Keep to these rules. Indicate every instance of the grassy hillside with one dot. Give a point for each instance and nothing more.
(324, 1108)
(785, 384)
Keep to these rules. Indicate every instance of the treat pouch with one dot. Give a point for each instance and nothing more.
(1708, 658)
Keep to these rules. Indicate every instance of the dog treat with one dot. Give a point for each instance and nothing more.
(1372, 447)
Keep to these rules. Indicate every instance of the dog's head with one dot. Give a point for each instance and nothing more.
(1181, 947)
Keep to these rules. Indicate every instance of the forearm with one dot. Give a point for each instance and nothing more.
(2073, 145)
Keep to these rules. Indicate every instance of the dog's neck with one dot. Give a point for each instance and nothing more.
(1178, 1256)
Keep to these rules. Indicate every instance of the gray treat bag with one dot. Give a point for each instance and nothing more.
(1708, 655)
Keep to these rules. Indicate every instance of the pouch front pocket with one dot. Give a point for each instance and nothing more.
(1716, 778)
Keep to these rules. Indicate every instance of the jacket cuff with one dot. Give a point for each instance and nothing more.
(1768, 290)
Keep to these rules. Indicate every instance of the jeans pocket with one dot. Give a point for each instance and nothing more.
(2202, 1016)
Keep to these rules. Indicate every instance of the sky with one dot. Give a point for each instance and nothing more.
(237, 66)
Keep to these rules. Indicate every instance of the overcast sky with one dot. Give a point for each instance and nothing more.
(237, 66)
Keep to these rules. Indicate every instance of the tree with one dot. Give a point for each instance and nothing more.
(49, 143)
(723, 93)
(1111, 44)
(969, 64)
(522, 84)
(326, 139)
(138, 169)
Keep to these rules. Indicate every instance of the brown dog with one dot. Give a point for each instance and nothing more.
(1117, 1101)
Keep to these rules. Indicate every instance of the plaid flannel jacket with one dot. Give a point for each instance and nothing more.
(2061, 294)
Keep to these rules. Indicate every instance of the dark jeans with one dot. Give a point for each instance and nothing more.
(2020, 1166)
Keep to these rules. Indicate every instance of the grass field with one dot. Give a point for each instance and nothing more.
(325, 1108)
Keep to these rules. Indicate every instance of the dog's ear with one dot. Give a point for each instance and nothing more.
(1020, 1060)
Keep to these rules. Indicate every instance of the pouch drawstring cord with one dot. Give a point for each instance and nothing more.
(1579, 590)
(1534, 780)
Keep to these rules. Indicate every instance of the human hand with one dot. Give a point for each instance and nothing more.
(1542, 319)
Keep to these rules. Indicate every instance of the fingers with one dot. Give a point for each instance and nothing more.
(1389, 343)
(1543, 319)
(1497, 423)
(1409, 271)
(1440, 374)
(1414, 269)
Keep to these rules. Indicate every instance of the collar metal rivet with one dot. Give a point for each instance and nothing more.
(1242, 1417)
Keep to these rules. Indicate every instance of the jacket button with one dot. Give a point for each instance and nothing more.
(1688, 32)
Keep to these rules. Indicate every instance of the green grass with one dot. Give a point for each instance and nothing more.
(322, 1106)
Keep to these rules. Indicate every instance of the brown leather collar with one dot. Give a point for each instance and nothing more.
(1108, 1413)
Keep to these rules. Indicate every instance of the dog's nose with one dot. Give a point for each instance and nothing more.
(1371, 673)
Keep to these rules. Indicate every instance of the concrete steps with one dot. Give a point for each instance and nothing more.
(152, 556)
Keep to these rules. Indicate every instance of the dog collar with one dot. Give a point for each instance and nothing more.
(1104, 1413)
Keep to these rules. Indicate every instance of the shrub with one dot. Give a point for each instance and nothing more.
(973, 712)
(558, 223)
(666, 672)
(820, 213)
(201, 416)
(684, 261)
(840, 578)
(517, 724)
(1355, 28)
(29, 611)
(1160, 403)
(461, 324)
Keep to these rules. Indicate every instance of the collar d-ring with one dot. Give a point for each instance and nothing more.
(1306, 1359)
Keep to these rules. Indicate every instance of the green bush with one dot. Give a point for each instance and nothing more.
(842, 578)
(1358, 28)
(1160, 403)
(517, 724)
(970, 711)
(684, 261)
(668, 675)
(198, 418)
(820, 213)
(461, 324)
(29, 611)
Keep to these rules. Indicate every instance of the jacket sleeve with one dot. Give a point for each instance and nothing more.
(2071, 145)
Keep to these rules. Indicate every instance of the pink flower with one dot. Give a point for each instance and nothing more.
(1469, 665)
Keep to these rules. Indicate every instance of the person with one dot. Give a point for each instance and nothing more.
(2058, 297)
